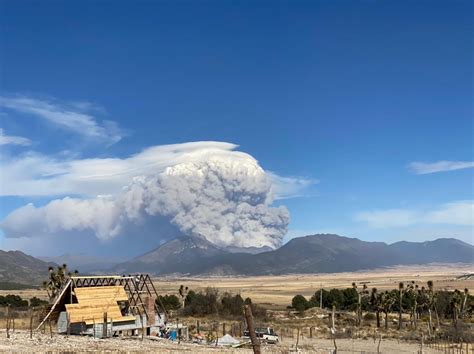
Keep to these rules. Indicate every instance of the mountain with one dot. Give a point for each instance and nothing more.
(321, 253)
(180, 255)
(18, 267)
(82, 262)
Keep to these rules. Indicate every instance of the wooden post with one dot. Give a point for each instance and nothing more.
(333, 315)
(68, 325)
(177, 331)
(198, 327)
(104, 326)
(240, 329)
(297, 338)
(321, 296)
(251, 329)
(310, 332)
(50, 328)
(378, 346)
(217, 333)
(421, 349)
(31, 323)
(8, 321)
(223, 329)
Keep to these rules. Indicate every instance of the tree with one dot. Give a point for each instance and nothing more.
(455, 304)
(386, 301)
(56, 279)
(169, 302)
(299, 303)
(35, 302)
(360, 292)
(464, 301)
(400, 304)
(412, 293)
(183, 292)
(375, 304)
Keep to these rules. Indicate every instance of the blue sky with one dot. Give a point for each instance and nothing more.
(342, 96)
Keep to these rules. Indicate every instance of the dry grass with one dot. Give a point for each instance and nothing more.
(277, 291)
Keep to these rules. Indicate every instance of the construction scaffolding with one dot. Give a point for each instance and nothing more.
(105, 304)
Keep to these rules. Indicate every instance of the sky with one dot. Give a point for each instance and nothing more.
(347, 117)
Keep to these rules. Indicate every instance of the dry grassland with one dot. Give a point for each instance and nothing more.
(277, 291)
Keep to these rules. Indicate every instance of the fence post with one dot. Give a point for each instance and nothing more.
(8, 321)
(251, 329)
(31, 323)
(104, 326)
(50, 328)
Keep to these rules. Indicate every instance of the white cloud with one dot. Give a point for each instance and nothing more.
(203, 188)
(13, 140)
(290, 187)
(454, 213)
(69, 117)
(421, 168)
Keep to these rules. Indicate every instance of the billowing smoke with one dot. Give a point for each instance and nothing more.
(225, 200)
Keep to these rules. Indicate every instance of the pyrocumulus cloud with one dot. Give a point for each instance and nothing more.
(221, 195)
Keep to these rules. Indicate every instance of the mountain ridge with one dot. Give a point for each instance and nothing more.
(319, 253)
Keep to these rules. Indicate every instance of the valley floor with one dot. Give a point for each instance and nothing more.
(277, 291)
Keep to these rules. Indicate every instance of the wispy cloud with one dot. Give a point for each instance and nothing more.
(421, 168)
(13, 140)
(67, 116)
(453, 213)
(290, 187)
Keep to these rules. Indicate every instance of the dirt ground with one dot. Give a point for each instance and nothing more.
(277, 291)
(20, 342)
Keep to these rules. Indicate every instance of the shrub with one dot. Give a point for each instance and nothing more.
(299, 303)
(169, 302)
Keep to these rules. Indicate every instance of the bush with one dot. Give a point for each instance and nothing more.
(169, 302)
(13, 300)
(201, 303)
(35, 302)
(232, 305)
(369, 317)
(299, 303)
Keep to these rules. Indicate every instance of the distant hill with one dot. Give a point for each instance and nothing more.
(321, 253)
(83, 263)
(18, 267)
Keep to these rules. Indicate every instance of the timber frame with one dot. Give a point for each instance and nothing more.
(136, 286)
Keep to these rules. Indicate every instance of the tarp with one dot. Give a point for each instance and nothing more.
(227, 340)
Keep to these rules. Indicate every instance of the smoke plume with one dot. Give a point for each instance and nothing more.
(223, 196)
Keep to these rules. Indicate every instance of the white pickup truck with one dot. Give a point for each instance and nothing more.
(265, 334)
